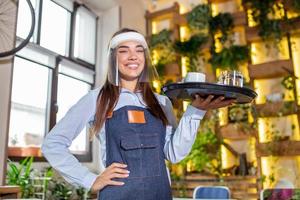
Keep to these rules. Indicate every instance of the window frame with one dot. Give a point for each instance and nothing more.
(72, 37)
(52, 108)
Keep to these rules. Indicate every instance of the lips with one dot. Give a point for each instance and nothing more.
(132, 66)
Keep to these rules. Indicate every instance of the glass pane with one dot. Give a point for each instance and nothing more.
(28, 103)
(85, 41)
(55, 28)
(24, 18)
(67, 96)
(76, 71)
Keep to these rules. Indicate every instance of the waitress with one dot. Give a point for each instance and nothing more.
(136, 128)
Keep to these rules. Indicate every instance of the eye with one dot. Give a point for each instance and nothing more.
(140, 50)
(122, 51)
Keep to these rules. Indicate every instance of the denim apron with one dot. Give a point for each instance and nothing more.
(140, 146)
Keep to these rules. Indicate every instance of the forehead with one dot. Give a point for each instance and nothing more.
(130, 43)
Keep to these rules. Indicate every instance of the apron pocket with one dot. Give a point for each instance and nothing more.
(141, 153)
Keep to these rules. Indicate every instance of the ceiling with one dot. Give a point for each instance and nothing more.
(102, 5)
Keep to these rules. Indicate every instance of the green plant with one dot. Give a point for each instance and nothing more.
(288, 83)
(82, 193)
(163, 45)
(239, 112)
(296, 5)
(223, 22)
(261, 11)
(297, 192)
(230, 58)
(61, 191)
(199, 17)
(20, 175)
(163, 36)
(191, 49)
(190, 46)
(205, 153)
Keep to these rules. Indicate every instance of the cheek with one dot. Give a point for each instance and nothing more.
(142, 60)
(122, 59)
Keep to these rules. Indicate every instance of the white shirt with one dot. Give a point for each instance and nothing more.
(178, 142)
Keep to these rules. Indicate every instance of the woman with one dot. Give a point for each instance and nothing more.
(136, 128)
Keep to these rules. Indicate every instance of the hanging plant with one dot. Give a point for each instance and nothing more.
(296, 5)
(261, 12)
(191, 46)
(162, 43)
(230, 58)
(160, 67)
(199, 17)
(163, 37)
(191, 49)
(270, 29)
(223, 22)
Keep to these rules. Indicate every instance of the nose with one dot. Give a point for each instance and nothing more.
(132, 55)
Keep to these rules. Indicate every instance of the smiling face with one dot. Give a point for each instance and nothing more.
(131, 60)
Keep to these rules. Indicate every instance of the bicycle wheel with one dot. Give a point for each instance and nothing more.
(7, 26)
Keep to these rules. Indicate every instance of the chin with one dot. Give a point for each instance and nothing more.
(130, 77)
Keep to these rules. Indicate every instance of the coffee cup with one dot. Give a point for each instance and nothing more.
(194, 77)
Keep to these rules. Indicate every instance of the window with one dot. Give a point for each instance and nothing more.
(35, 84)
(70, 77)
(67, 97)
(55, 28)
(24, 19)
(85, 20)
(28, 121)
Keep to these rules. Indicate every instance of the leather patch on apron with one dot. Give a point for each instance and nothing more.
(109, 115)
(136, 117)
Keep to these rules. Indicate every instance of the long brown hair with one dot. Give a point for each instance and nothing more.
(109, 96)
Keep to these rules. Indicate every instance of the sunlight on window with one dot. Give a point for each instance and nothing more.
(24, 18)
(55, 29)
(28, 103)
(68, 96)
(85, 41)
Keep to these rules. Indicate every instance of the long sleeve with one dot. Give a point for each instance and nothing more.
(58, 140)
(180, 139)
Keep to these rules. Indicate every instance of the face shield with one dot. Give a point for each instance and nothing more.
(149, 72)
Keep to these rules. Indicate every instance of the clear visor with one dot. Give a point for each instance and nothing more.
(149, 73)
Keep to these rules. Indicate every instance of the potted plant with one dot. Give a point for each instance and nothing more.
(20, 175)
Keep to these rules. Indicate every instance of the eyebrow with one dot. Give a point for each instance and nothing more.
(137, 46)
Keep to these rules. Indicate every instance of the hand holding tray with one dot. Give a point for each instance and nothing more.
(187, 90)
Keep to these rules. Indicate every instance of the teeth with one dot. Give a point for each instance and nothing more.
(132, 65)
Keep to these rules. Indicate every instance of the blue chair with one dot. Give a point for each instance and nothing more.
(211, 192)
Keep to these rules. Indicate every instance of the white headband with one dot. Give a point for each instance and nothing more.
(128, 36)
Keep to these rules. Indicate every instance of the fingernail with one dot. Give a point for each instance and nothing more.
(128, 171)
(222, 98)
(122, 183)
